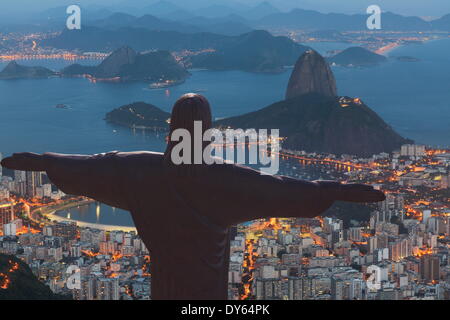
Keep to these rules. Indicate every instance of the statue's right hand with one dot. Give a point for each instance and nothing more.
(355, 192)
(25, 161)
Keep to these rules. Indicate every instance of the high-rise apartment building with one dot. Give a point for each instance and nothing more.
(6, 213)
(33, 181)
(429, 268)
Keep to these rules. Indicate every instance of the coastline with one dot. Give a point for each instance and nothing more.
(135, 127)
(389, 48)
(104, 227)
(49, 213)
(386, 50)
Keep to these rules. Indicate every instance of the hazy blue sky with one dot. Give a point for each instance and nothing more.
(406, 7)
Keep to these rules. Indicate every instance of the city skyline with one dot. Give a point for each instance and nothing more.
(324, 248)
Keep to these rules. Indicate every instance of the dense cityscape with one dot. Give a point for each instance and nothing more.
(26, 46)
(399, 251)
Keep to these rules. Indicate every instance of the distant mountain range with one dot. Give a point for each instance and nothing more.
(442, 23)
(215, 19)
(238, 17)
(163, 9)
(128, 65)
(250, 13)
(13, 70)
(264, 15)
(169, 10)
(314, 20)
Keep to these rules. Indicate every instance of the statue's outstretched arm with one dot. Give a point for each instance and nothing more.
(254, 196)
(97, 176)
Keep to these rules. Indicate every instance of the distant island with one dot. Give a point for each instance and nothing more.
(317, 123)
(13, 70)
(357, 57)
(157, 67)
(187, 24)
(139, 115)
(407, 59)
(125, 64)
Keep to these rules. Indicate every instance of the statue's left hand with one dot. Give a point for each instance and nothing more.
(25, 161)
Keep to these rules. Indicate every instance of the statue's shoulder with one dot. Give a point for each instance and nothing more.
(226, 167)
(141, 157)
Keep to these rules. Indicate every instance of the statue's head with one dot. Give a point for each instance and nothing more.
(188, 109)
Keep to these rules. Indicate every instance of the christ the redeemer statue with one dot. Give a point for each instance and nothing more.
(183, 212)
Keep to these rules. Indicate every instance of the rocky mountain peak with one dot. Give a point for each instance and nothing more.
(13, 65)
(311, 74)
(112, 65)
